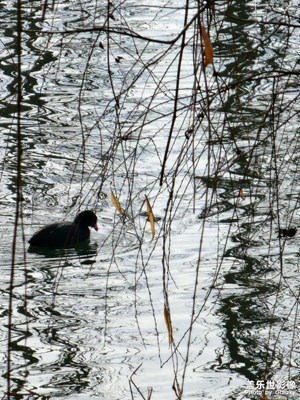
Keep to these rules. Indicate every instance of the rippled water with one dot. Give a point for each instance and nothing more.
(97, 110)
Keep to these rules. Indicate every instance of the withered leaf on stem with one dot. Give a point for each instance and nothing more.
(241, 194)
(117, 204)
(151, 217)
(208, 49)
(167, 316)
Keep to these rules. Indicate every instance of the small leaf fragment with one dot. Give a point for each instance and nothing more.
(241, 194)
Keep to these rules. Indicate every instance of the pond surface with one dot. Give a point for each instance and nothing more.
(116, 105)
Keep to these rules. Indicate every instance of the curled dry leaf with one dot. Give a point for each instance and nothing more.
(117, 204)
(151, 216)
(208, 49)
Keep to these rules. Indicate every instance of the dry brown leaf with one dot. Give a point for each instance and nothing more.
(150, 217)
(241, 194)
(167, 316)
(117, 204)
(208, 49)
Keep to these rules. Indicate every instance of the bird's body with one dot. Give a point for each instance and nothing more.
(290, 232)
(62, 234)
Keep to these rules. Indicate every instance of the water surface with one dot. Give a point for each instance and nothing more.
(96, 117)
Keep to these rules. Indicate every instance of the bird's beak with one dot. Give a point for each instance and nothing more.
(96, 227)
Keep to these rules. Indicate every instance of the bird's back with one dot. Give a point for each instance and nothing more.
(59, 235)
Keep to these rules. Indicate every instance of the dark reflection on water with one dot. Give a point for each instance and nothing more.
(82, 251)
(49, 323)
(244, 318)
(65, 374)
(259, 293)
